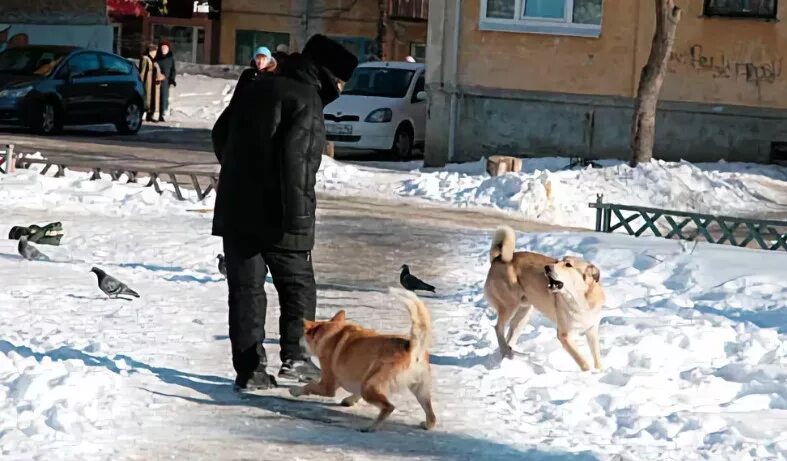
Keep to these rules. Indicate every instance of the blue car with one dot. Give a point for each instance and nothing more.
(47, 87)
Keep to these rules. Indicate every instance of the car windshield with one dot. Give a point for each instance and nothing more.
(30, 61)
(379, 81)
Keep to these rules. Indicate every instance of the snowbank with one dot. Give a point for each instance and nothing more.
(545, 192)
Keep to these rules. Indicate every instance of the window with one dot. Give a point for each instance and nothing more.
(420, 85)
(188, 42)
(361, 47)
(379, 81)
(246, 41)
(84, 65)
(765, 9)
(560, 17)
(29, 61)
(418, 51)
(111, 65)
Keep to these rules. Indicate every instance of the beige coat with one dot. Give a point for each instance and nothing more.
(150, 74)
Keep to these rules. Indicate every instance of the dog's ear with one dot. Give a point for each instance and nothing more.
(593, 272)
(340, 316)
(308, 324)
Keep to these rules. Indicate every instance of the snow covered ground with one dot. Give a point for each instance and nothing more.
(544, 191)
(693, 336)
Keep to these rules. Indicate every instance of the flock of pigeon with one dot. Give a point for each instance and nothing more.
(114, 288)
(109, 285)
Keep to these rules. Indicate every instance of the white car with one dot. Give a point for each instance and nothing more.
(382, 108)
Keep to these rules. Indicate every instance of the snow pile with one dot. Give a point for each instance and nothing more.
(50, 396)
(76, 192)
(693, 342)
(199, 100)
(544, 192)
(693, 346)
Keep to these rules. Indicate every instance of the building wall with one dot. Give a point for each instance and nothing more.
(53, 11)
(523, 93)
(339, 18)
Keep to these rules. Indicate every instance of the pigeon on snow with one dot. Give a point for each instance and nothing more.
(222, 265)
(411, 282)
(111, 286)
(29, 252)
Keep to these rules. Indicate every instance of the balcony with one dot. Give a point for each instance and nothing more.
(408, 10)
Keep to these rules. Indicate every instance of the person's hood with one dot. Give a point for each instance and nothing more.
(303, 69)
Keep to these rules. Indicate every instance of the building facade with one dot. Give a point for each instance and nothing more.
(247, 24)
(55, 22)
(533, 77)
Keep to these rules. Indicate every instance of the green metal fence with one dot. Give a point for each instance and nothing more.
(636, 221)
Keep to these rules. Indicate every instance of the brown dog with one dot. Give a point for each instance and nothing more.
(566, 291)
(370, 365)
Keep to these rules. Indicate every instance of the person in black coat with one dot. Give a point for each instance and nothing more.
(269, 141)
(166, 62)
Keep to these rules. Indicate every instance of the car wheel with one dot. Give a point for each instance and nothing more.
(131, 119)
(402, 148)
(47, 120)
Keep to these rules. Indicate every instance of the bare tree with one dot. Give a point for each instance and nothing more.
(382, 30)
(643, 126)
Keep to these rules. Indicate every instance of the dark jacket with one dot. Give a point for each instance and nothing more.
(269, 141)
(167, 65)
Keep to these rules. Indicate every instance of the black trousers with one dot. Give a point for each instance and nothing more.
(293, 277)
(164, 95)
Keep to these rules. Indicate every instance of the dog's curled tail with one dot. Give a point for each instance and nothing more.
(503, 244)
(421, 329)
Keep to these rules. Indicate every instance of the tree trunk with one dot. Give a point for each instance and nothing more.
(382, 29)
(643, 126)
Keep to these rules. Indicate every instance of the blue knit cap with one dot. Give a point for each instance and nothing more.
(263, 50)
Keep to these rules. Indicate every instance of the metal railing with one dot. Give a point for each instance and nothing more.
(743, 232)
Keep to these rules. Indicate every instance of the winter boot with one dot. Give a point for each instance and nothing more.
(257, 380)
(303, 371)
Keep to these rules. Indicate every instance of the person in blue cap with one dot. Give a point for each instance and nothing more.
(262, 64)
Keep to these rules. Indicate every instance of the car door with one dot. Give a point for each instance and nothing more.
(82, 90)
(418, 108)
(118, 82)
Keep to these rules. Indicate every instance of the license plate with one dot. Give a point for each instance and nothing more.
(338, 129)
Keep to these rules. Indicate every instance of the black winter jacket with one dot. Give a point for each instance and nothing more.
(269, 141)
(167, 65)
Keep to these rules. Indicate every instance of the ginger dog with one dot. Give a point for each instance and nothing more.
(371, 366)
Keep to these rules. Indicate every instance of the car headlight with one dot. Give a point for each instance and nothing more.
(379, 116)
(15, 92)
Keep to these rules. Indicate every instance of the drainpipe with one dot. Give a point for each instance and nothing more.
(453, 119)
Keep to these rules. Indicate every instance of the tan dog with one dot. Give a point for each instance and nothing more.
(566, 291)
(370, 365)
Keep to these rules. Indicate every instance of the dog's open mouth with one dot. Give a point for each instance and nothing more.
(554, 284)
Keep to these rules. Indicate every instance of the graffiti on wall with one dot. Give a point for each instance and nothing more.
(720, 65)
(96, 37)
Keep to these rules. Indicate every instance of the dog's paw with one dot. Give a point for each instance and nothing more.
(349, 401)
(507, 353)
(296, 391)
(428, 425)
(368, 430)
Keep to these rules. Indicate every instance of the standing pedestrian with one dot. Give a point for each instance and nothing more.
(166, 62)
(151, 77)
(269, 141)
(263, 63)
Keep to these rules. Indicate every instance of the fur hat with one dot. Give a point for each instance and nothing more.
(331, 55)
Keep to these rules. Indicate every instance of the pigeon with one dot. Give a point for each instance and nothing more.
(111, 286)
(411, 282)
(29, 252)
(222, 265)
